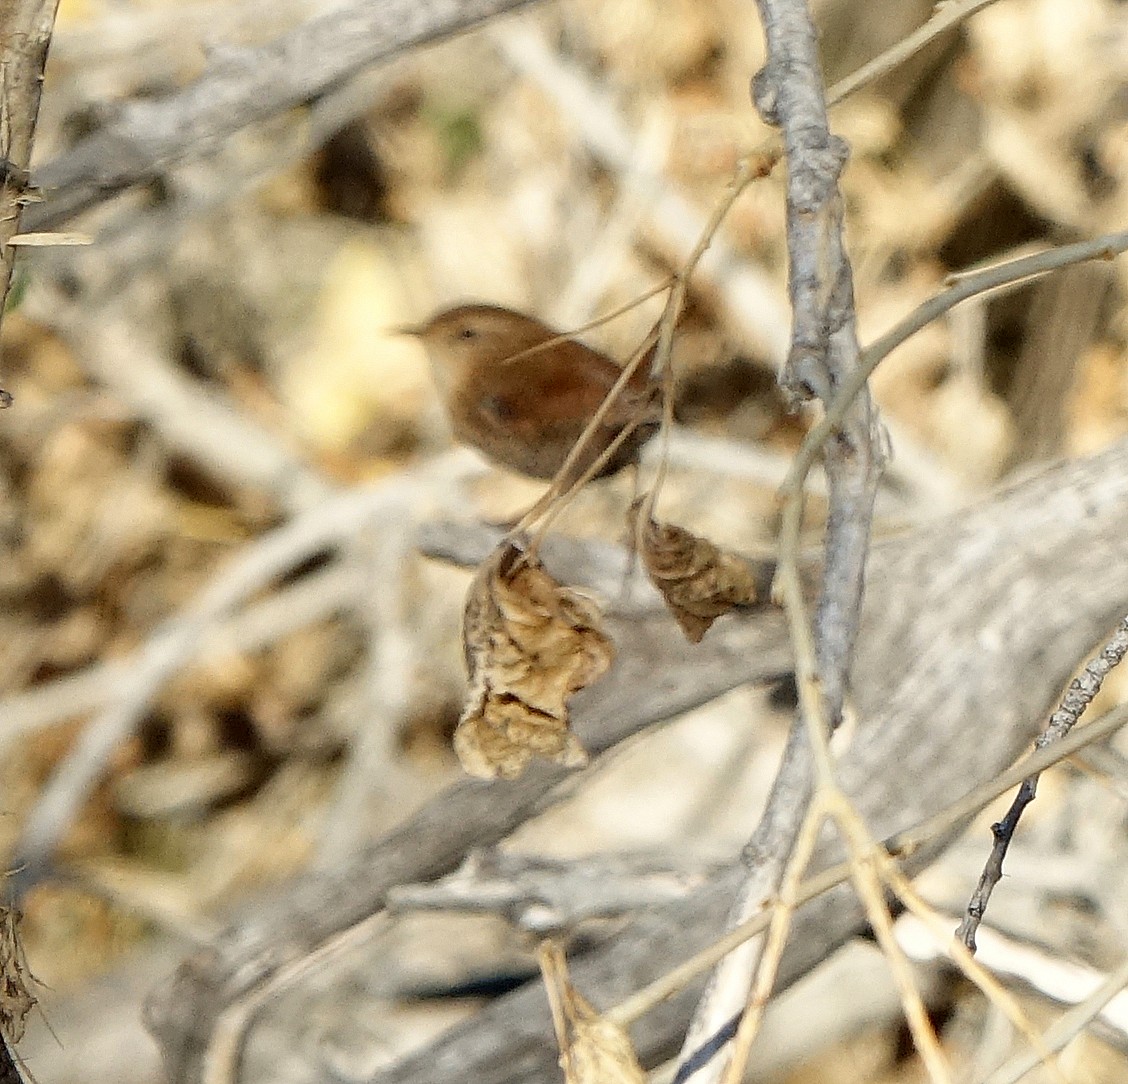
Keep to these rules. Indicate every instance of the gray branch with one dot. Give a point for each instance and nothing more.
(469, 815)
(788, 92)
(546, 895)
(242, 87)
(25, 36)
(972, 628)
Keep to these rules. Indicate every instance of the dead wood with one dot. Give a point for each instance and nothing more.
(243, 87)
(972, 627)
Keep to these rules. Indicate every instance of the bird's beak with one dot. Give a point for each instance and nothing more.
(409, 330)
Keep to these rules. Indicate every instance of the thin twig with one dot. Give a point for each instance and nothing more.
(966, 286)
(556, 498)
(950, 593)
(751, 168)
(788, 579)
(946, 17)
(1077, 698)
(871, 872)
(829, 801)
(897, 846)
(25, 37)
(973, 970)
(751, 302)
(781, 914)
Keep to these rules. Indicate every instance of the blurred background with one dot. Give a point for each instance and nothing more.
(221, 364)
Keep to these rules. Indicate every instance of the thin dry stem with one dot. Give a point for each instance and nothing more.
(967, 286)
(780, 926)
(550, 957)
(788, 581)
(1065, 1029)
(1077, 698)
(867, 863)
(598, 321)
(971, 967)
(860, 844)
(750, 168)
(896, 846)
(554, 499)
(946, 17)
(552, 505)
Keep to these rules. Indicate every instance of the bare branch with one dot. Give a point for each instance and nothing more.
(25, 36)
(973, 625)
(956, 615)
(246, 86)
(901, 845)
(963, 287)
(750, 301)
(186, 1014)
(1077, 698)
(545, 894)
(788, 92)
(944, 18)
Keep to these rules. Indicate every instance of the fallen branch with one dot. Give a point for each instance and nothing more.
(956, 614)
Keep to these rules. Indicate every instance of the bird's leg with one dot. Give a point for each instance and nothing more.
(632, 539)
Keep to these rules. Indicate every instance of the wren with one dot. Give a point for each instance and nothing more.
(525, 408)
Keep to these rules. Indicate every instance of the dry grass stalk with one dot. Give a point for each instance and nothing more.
(593, 1050)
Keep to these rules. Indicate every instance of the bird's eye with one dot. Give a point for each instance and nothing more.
(467, 333)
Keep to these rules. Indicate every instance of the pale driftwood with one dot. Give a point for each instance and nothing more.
(973, 625)
(547, 895)
(972, 628)
(656, 677)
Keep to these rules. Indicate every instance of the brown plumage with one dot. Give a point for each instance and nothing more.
(527, 413)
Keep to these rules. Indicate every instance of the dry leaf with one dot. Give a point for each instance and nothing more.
(530, 644)
(698, 580)
(16, 999)
(592, 1050)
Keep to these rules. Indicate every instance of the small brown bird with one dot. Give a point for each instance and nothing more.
(526, 410)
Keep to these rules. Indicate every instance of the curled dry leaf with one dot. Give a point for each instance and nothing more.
(699, 580)
(16, 998)
(592, 1050)
(530, 644)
